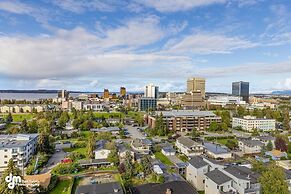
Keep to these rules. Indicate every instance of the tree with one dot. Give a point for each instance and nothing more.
(273, 180)
(231, 143)
(9, 118)
(280, 144)
(269, 146)
(113, 157)
(14, 171)
(241, 111)
(195, 133)
(286, 120)
(289, 147)
(146, 165)
(33, 127)
(24, 127)
(129, 167)
(44, 142)
(255, 132)
(213, 126)
(91, 146)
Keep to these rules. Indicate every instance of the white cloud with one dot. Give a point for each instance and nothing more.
(177, 5)
(205, 43)
(283, 85)
(15, 7)
(80, 6)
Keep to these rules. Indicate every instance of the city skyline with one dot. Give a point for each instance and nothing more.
(88, 46)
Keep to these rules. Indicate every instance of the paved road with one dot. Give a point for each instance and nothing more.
(54, 160)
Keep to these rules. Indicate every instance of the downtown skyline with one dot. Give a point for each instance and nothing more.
(91, 45)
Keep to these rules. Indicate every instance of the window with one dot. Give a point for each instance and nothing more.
(5, 150)
(5, 156)
(5, 162)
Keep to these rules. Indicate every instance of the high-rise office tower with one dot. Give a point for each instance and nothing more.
(196, 84)
(122, 92)
(106, 93)
(241, 89)
(151, 91)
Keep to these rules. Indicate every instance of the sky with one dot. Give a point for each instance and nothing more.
(91, 45)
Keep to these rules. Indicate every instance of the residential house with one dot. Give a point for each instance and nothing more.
(101, 152)
(109, 188)
(249, 146)
(265, 139)
(168, 151)
(217, 182)
(216, 151)
(189, 147)
(172, 187)
(245, 181)
(276, 154)
(142, 146)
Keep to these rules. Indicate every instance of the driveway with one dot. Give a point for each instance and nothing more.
(134, 132)
(54, 160)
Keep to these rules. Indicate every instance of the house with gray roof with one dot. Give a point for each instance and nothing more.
(189, 147)
(105, 188)
(217, 182)
(249, 146)
(244, 179)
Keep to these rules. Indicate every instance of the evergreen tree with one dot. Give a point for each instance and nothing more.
(273, 181)
(44, 142)
(9, 118)
(91, 146)
(24, 127)
(286, 121)
(269, 146)
(14, 171)
(146, 165)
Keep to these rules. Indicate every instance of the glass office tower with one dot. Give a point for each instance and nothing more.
(241, 89)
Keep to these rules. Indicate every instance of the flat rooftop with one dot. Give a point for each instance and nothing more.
(16, 140)
(189, 113)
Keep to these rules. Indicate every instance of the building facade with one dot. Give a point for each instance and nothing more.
(122, 92)
(196, 84)
(151, 91)
(248, 123)
(241, 89)
(146, 104)
(19, 147)
(185, 120)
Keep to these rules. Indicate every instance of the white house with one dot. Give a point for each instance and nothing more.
(216, 182)
(244, 179)
(19, 147)
(189, 147)
(168, 151)
(248, 146)
(101, 152)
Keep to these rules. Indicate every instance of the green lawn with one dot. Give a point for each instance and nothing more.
(163, 158)
(183, 157)
(222, 141)
(63, 187)
(18, 117)
(76, 184)
(108, 115)
(79, 150)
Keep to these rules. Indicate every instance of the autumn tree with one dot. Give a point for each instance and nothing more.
(280, 144)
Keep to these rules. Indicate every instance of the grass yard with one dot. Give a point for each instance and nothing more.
(163, 158)
(222, 141)
(18, 117)
(107, 115)
(63, 186)
(79, 150)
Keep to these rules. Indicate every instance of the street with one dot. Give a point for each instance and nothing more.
(54, 160)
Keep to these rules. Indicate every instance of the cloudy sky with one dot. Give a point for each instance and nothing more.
(90, 45)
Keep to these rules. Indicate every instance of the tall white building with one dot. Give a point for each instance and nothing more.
(151, 91)
(248, 123)
(19, 147)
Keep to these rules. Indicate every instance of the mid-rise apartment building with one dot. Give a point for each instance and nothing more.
(248, 123)
(19, 147)
(185, 120)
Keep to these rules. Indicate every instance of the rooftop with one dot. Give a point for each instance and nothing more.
(218, 177)
(186, 141)
(106, 188)
(16, 140)
(251, 143)
(215, 148)
(176, 187)
(243, 172)
(190, 113)
(197, 162)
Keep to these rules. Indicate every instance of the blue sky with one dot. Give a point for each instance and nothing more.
(90, 45)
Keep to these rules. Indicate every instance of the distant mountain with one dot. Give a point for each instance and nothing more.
(282, 92)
